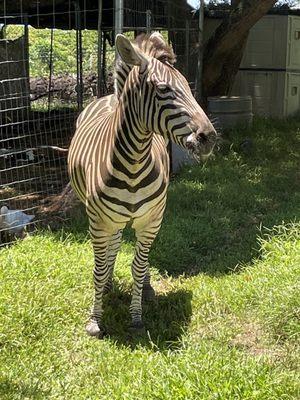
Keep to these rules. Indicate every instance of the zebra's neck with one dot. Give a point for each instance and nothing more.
(132, 144)
(132, 140)
(121, 73)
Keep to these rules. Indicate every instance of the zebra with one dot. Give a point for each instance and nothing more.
(119, 165)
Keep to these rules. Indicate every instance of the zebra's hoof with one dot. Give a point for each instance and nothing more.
(148, 293)
(137, 328)
(93, 329)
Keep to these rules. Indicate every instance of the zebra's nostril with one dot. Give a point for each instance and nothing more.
(206, 136)
(202, 137)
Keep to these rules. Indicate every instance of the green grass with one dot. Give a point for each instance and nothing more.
(226, 267)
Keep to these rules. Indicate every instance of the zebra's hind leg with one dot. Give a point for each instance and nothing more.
(139, 273)
(100, 240)
(148, 293)
(112, 252)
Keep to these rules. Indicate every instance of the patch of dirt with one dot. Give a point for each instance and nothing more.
(57, 209)
(64, 202)
(250, 338)
(255, 342)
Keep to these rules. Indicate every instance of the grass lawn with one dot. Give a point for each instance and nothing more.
(226, 269)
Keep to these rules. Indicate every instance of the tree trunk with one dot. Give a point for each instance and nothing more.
(223, 52)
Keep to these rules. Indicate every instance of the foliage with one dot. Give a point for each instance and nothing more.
(226, 3)
(287, 3)
(225, 323)
(64, 50)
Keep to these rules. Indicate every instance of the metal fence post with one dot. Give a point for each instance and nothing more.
(148, 21)
(100, 51)
(79, 56)
(200, 52)
(119, 16)
(187, 48)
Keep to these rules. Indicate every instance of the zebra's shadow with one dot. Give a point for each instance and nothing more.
(166, 319)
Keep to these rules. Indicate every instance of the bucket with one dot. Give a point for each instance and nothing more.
(230, 111)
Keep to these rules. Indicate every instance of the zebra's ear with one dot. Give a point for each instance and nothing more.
(130, 54)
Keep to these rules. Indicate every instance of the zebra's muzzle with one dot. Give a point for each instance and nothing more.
(201, 144)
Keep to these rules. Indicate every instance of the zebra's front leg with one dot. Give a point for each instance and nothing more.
(148, 293)
(141, 276)
(100, 242)
(112, 252)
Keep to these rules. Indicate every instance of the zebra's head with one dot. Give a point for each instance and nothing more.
(161, 95)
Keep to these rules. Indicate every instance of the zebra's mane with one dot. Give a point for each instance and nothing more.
(154, 45)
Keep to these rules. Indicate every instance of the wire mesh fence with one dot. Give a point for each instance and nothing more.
(55, 57)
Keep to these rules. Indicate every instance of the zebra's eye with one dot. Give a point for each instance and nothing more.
(163, 87)
(165, 91)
